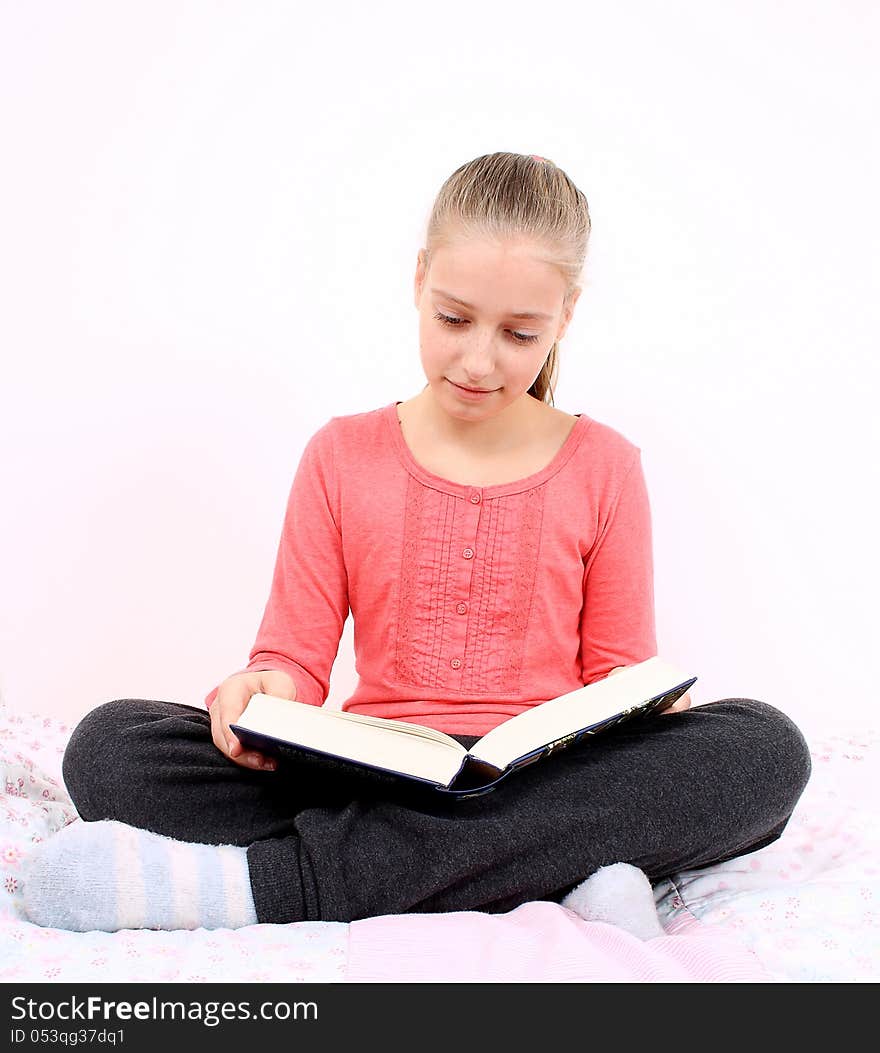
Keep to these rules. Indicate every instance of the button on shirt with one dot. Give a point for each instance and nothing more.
(470, 604)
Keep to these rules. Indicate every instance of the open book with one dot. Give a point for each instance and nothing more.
(395, 750)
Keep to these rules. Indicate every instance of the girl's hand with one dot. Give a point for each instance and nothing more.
(677, 706)
(232, 697)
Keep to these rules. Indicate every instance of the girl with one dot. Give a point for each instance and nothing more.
(495, 552)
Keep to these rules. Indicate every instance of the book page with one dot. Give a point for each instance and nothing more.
(400, 726)
(371, 740)
(578, 709)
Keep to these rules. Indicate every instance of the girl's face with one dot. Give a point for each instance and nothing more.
(488, 316)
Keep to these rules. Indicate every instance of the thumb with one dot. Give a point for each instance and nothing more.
(275, 682)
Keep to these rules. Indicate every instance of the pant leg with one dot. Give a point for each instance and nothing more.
(153, 764)
(672, 792)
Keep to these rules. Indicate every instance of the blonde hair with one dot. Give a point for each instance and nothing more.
(506, 195)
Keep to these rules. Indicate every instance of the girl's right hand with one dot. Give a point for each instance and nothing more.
(232, 697)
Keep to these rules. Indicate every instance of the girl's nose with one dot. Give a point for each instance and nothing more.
(478, 361)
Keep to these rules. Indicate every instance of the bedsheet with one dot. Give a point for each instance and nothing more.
(802, 909)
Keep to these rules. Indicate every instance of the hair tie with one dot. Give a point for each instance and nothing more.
(537, 157)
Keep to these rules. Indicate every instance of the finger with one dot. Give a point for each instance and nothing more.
(224, 739)
(217, 731)
(678, 706)
(255, 760)
(226, 716)
(236, 752)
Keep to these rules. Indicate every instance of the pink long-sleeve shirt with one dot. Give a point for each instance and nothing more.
(470, 604)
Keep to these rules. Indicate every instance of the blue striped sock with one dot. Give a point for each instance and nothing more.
(109, 876)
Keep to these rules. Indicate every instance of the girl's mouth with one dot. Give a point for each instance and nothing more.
(470, 393)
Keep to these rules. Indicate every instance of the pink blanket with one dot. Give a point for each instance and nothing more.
(542, 941)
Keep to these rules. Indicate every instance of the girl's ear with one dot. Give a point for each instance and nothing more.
(567, 313)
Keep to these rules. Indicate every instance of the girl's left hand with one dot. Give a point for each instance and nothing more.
(677, 706)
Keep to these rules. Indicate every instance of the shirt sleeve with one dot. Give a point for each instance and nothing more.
(617, 620)
(308, 601)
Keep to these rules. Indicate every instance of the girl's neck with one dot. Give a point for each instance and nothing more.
(515, 426)
(460, 462)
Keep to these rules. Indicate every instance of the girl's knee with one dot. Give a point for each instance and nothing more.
(95, 751)
(776, 738)
(100, 728)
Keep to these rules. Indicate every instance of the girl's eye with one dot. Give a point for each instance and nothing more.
(520, 338)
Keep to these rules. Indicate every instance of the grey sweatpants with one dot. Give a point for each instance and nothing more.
(674, 791)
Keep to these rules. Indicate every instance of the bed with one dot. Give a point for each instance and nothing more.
(804, 909)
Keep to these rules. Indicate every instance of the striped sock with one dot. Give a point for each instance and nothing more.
(108, 876)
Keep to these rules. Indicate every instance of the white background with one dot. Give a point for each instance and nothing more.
(209, 227)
